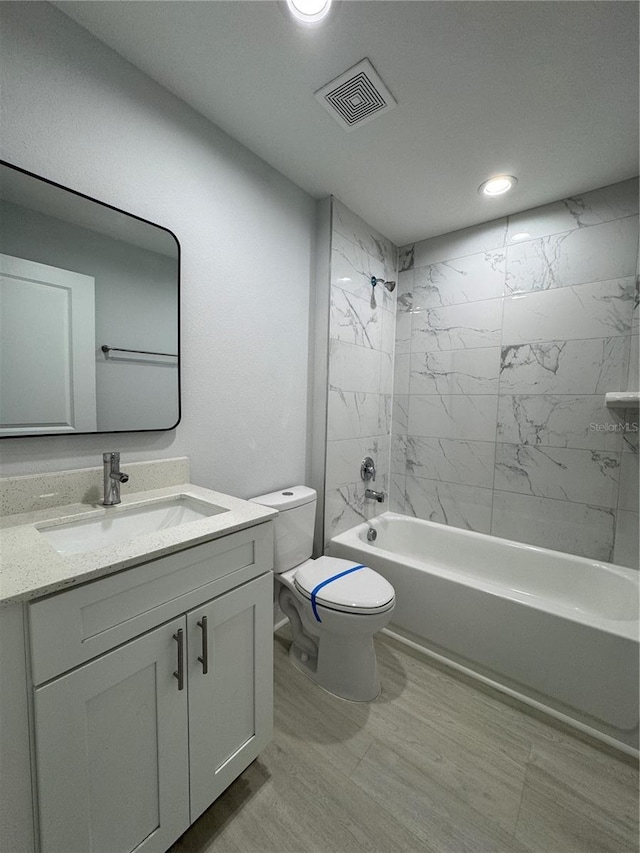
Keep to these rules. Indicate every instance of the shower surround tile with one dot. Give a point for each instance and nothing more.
(396, 492)
(630, 424)
(384, 416)
(633, 379)
(575, 528)
(554, 420)
(347, 506)
(592, 366)
(626, 541)
(343, 508)
(399, 454)
(459, 244)
(400, 414)
(565, 327)
(354, 321)
(360, 367)
(352, 268)
(353, 368)
(597, 253)
(465, 326)
(405, 281)
(404, 299)
(448, 460)
(405, 258)
(402, 366)
(403, 332)
(460, 506)
(469, 418)
(469, 279)
(349, 225)
(581, 211)
(629, 483)
(351, 414)
(386, 373)
(387, 343)
(569, 474)
(474, 371)
(345, 455)
(596, 310)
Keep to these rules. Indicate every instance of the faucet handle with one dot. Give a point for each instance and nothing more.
(368, 469)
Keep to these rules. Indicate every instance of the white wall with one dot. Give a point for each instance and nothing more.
(77, 113)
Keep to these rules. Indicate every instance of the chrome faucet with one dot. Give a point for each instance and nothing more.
(374, 496)
(113, 476)
(368, 469)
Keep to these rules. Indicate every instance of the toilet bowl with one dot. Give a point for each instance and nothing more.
(334, 606)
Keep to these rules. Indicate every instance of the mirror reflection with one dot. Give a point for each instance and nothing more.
(89, 314)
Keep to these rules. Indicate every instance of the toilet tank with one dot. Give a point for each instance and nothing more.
(293, 525)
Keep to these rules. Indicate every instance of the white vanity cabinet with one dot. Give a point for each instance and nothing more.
(152, 691)
(231, 705)
(111, 751)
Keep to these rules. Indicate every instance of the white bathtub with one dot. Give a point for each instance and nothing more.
(558, 631)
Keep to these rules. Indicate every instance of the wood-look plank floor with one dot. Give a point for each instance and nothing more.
(436, 765)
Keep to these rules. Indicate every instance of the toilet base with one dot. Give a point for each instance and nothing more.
(306, 665)
(333, 648)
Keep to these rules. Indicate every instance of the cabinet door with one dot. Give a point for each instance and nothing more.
(111, 748)
(231, 705)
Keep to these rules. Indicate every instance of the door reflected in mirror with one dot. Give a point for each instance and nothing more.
(89, 314)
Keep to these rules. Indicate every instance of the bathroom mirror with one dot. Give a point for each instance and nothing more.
(89, 314)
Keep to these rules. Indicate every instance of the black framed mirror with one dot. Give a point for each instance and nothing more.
(89, 314)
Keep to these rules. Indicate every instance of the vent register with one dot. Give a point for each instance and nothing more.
(357, 96)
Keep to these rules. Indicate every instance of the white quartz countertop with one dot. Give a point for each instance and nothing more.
(30, 567)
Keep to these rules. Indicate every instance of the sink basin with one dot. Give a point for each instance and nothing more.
(122, 523)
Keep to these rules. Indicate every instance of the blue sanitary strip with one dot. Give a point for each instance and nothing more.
(316, 589)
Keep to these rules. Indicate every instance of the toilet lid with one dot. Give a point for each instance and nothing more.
(363, 590)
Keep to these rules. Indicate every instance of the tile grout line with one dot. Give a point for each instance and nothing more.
(495, 434)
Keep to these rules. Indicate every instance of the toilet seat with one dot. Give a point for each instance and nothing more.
(363, 591)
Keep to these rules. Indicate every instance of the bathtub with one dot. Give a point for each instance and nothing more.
(557, 631)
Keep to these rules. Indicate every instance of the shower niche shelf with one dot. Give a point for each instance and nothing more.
(622, 399)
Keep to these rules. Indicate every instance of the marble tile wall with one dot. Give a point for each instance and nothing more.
(508, 335)
(361, 348)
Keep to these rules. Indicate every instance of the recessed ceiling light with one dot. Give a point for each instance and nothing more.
(497, 185)
(309, 11)
(521, 235)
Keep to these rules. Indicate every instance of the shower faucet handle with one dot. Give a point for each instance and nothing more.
(368, 469)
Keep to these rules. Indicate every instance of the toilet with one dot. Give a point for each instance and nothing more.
(335, 606)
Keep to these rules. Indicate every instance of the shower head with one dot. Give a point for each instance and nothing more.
(390, 285)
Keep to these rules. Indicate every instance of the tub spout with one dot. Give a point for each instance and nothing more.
(375, 496)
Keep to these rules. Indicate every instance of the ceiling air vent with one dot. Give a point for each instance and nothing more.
(357, 96)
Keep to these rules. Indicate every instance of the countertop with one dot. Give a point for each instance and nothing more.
(30, 567)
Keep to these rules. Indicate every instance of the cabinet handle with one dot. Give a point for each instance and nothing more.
(179, 674)
(204, 659)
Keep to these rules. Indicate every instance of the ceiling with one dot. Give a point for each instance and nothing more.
(546, 91)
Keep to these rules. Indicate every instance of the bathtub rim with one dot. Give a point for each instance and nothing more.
(628, 629)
